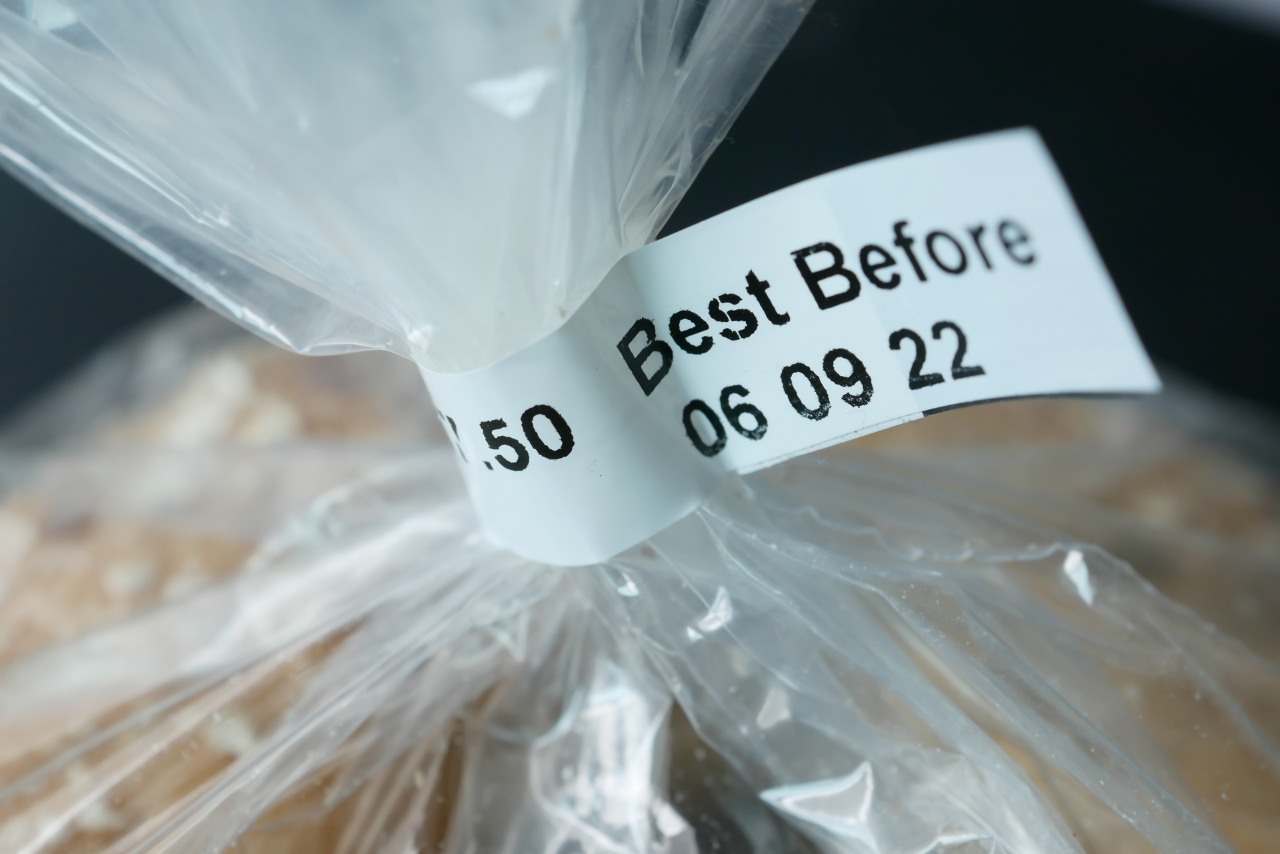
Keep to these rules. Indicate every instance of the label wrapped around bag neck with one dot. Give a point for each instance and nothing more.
(840, 306)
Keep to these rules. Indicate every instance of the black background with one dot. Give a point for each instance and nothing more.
(1164, 123)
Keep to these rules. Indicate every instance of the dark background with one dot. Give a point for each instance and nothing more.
(1164, 122)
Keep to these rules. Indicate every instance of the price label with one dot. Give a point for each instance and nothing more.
(853, 302)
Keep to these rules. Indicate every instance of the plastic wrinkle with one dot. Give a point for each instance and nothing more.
(299, 178)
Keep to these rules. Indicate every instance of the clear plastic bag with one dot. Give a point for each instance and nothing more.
(246, 604)
(448, 180)
(858, 663)
(1186, 488)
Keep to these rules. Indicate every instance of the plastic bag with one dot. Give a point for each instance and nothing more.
(881, 667)
(1183, 487)
(230, 629)
(447, 180)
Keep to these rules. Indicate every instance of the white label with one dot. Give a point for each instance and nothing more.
(834, 308)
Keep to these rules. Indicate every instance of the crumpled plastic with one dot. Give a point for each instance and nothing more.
(245, 603)
(447, 180)
(826, 657)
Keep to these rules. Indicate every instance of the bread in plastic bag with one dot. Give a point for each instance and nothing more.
(1184, 488)
(375, 656)
(824, 657)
